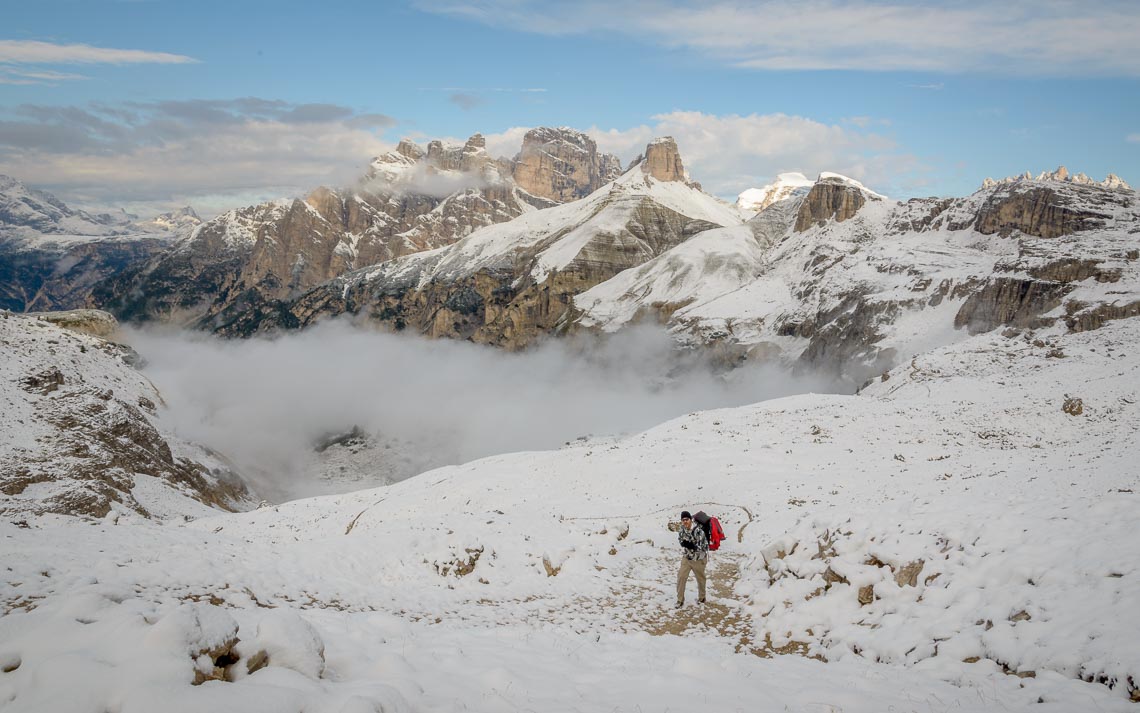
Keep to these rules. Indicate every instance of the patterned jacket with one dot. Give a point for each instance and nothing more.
(695, 537)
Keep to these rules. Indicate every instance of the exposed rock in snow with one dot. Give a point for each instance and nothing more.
(86, 321)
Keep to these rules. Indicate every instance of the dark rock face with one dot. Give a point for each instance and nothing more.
(1009, 301)
(1041, 212)
(55, 277)
(829, 199)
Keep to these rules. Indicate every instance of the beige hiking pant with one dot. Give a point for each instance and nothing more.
(697, 567)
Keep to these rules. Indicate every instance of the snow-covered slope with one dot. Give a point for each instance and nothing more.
(960, 521)
(81, 433)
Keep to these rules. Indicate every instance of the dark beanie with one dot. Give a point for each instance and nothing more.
(685, 514)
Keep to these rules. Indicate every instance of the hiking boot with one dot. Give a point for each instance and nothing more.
(679, 605)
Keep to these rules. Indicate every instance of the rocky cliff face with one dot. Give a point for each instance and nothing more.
(239, 269)
(663, 160)
(510, 284)
(562, 165)
(832, 197)
(81, 435)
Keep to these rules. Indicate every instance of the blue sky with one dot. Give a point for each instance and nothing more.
(151, 104)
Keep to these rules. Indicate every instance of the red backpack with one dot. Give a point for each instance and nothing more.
(713, 531)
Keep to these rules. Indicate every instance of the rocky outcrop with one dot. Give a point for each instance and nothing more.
(663, 160)
(1009, 301)
(81, 435)
(85, 321)
(830, 198)
(1039, 211)
(562, 165)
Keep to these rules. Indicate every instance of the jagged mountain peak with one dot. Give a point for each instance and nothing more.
(1061, 175)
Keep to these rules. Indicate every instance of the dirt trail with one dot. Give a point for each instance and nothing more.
(643, 595)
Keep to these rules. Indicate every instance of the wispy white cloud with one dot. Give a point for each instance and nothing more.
(1133, 138)
(197, 151)
(36, 52)
(933, 87)
(19, 75)
(1017, 37)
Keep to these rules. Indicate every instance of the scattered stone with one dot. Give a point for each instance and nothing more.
(1073, 406)
(907, 575)
(44, 382)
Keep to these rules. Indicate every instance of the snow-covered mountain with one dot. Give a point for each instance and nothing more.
(511, 283)
(80, 430)
(786, 185)
(236, 268)
(959, 536)
(845, 278)
(52, 256)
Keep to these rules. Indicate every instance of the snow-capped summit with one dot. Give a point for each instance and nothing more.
(786, 185)
(1061, 175)
(175, 220)
(28, 215)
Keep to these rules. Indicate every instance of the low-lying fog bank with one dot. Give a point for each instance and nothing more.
(276, 406)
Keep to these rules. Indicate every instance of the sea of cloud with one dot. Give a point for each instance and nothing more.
(267, 403)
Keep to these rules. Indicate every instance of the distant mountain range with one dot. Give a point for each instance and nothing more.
(448, 241)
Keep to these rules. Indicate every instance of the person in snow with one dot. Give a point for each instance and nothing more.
(694, 557)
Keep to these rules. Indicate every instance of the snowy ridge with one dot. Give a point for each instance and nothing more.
(906, 270)
(33, 219)
(566, 228)
(953, 523)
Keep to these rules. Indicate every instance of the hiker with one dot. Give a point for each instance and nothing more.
(694, 557)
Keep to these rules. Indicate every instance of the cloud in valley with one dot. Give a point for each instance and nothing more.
(266, 402)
